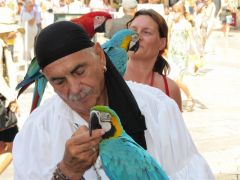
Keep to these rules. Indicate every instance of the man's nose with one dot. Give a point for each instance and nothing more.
(74, 85)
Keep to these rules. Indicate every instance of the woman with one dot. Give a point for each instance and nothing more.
(147, 65)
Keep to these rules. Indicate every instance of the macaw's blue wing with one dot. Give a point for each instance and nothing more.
(40, 86)
(122, 158)
(119, 58)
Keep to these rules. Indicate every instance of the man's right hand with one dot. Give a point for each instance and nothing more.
(81, 152)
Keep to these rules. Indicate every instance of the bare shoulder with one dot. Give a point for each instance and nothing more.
(175, 92)
(172, 85)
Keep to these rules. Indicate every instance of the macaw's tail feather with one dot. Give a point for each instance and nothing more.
(40, 86)
(35, 102)
(23, 89)
(25, 82)
(33, 73)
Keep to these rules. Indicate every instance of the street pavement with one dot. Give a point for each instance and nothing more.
(214, 122)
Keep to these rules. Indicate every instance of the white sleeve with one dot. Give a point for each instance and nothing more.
(31, 154)
(40, 144)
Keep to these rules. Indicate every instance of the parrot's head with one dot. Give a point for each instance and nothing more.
(128, 39)
(93, 22)
(99, 20)
(107, 119)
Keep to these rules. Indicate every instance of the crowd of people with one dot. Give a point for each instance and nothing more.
(171, 45)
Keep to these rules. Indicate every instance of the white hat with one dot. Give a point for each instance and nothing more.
(129, 4)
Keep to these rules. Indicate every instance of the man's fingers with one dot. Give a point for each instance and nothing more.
(80, 130)
(88, 146)
(81, 141)
(82, 136)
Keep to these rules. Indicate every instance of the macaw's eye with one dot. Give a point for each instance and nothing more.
(106, 117)
(99, 18)
(109, 116)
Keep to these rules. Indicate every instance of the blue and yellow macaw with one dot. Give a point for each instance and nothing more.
(33, 75)
(122, 158)
(117, 47)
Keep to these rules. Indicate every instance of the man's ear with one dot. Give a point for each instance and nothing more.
(99, 52)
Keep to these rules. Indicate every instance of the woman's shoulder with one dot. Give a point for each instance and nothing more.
(164, 82)
(148, 96)
(143, 89)
(172, 85)
(173, 89)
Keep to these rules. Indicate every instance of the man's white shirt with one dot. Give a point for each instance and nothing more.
(40, 144)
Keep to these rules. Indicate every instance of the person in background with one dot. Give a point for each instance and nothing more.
(7, 135)
(154, 1)
(180, 43)
(101, 5)
(29, 22)
(225, 15)
(209, 16)
(113, 25)
(148, 65)
(191, 6)
(8, 25)
(142, 1)
(54, 142)
(37, 10)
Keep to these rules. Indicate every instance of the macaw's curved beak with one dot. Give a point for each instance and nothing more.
(99, 23)
(93, 123)
(100, 28)
(134, 44)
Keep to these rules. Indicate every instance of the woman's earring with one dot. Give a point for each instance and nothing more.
(104, 68)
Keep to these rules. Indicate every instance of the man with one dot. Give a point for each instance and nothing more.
(54, 142)
(129, 8)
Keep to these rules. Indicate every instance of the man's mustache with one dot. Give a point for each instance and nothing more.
(82, 94)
